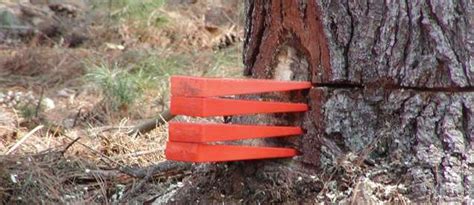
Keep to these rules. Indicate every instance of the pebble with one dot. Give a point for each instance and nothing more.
(48, 103)
(13, 178)
(14, 99)
(66, 93)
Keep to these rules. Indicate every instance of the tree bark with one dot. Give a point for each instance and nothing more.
(392, 102)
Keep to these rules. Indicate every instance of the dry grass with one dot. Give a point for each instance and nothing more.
(44, 177)
(75, 156)
(33, 66)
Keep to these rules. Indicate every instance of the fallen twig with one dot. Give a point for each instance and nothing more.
(137, 154)
(98, 130)
(148, 172)
(161, 167)
(38, 106)
(137, 187)
(103, 156)
(76, 118)
(70, 144)
(23, 139)
(151, 124)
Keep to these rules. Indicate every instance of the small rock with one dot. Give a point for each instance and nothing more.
(68, 123)
(48, 103)
(66, 93)
(13, 178)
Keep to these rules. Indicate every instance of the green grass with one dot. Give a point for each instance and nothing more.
(28, 111)
(144, 12)
(158, 68)
(119, 87)
(124, 84)
(226, 63)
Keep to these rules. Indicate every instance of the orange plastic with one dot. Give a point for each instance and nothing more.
(194, 132)
(194, 152)
(205, 107)
(194, 96)
(212, 87)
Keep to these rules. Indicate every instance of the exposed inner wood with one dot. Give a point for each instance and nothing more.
(277, 23)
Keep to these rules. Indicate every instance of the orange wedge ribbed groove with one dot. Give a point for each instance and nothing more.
(195, 152)
(212, 87)
(196, 132)
(206, 107)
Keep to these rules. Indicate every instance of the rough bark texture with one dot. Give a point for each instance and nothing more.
(392, 102)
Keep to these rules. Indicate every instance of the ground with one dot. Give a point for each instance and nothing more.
(75, 76)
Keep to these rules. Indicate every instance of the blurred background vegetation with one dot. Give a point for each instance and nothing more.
(88, 70)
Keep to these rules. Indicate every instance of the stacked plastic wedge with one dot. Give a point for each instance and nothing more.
(200, 97)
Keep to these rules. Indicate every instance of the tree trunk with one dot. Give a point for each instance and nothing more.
(391, 111)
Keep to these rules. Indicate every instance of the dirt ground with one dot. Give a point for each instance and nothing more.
(76, 76)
